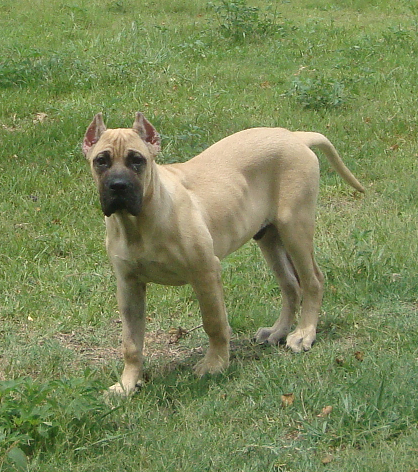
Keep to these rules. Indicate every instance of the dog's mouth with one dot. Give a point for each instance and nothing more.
(114, 205)
(120, 195)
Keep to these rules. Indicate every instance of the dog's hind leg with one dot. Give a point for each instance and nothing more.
(302, 338)
(207, 286)
(278, 260)
(297, 237)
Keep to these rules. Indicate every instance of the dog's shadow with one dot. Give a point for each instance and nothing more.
(176, 378)
(177, 373)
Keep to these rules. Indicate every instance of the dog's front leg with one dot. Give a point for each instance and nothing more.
(131, 302)
(209, 292)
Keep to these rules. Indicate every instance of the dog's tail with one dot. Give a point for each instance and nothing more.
(320, 141)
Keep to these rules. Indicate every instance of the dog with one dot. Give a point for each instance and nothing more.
(172, 225)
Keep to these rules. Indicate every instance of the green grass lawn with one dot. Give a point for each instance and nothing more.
(200, 71)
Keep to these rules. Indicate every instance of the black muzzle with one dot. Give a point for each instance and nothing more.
(121, 192)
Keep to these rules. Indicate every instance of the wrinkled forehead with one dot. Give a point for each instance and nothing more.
(118, 141)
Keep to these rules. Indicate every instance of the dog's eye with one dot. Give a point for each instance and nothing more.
(102, 161)
(136, 161)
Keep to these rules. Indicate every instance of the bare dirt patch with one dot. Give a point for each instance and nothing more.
(160, 346)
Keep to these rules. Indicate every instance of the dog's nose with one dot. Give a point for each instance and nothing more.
(118, 185)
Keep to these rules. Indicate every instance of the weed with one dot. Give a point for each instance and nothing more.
(198, 49)
(318, 93)
(35, 416)
(192, 139)
(39, 68)
(21, 72)
(238, 21)
(117, 6)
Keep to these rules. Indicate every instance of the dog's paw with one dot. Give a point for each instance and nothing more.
(212, 363)
(121, 390)
(271, 336)
(301, 339)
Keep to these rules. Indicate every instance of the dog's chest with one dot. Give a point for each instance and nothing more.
(149, 264)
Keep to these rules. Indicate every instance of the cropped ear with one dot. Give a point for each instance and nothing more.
(93, 133)
(147, 132)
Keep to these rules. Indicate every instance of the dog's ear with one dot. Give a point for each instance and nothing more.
(93, 133)
(147, 132)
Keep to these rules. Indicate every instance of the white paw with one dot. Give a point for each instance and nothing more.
(122, 390)
(301, 339)
(212, 363)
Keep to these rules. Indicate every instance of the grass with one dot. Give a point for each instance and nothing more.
(201, 71)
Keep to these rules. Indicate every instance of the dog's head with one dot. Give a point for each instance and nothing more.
(121, 161)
